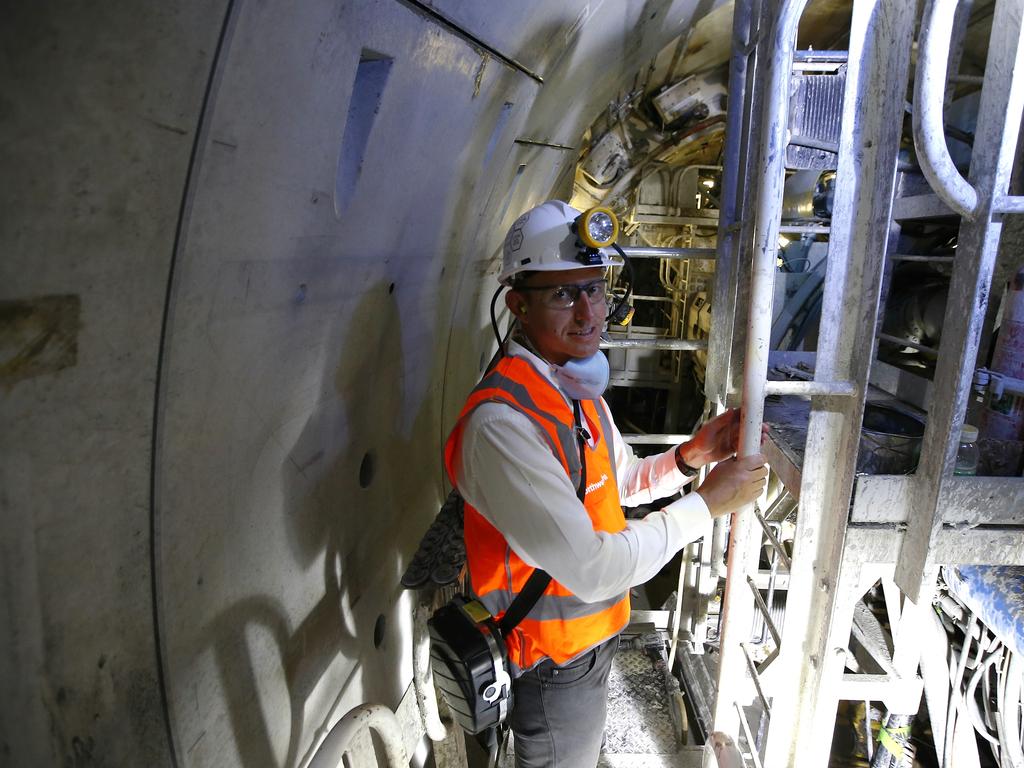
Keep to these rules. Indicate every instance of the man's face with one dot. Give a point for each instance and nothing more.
(559, 334)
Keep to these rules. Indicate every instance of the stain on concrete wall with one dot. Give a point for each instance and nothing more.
(38, 336)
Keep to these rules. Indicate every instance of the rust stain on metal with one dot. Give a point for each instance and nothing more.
(38, 336)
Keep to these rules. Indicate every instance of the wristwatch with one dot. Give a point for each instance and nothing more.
(685, 468)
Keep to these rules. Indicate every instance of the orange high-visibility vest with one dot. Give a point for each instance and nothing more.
(560, 626)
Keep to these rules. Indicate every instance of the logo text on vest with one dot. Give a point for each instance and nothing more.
(599, 484)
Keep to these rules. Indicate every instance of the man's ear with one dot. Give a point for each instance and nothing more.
(516, 303)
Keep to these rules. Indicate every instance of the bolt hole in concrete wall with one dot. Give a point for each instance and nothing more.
(378, 630)
(366, 470)
(367, 90)
(391, 289)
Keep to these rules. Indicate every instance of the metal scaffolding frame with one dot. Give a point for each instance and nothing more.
(897, 529)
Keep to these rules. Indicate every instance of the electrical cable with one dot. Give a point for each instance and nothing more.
(627, 268)
(494, 323)
(972, 705)
(954, 692)
(1009, 711)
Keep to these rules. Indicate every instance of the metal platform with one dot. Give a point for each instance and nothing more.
(644, 715)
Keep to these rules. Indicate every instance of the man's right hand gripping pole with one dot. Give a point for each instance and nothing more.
(733, 484)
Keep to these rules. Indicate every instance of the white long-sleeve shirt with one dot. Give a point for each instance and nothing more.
(509, 474)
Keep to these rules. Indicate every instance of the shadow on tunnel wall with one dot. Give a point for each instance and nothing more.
(362, 479)
(353, 515)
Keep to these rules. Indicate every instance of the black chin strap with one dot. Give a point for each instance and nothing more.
(582, 436)
(494, 324)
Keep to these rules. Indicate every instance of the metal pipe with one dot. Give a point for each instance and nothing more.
(763, 606)
(929, 94)
(1005, 204)
(754, 753)
(811, 388)
(752, 668)
(636, 438)
(803, 229)
(925, 259)
(684, 581)
(651, 252)
(719, 540)
(423, 680)
(773, 575)
(745, 544)
(644, 297)
(375, 717)
(774, 541)
(675, 345)
(728, 245)
(926, 351)
(539, 143)
(835, 57)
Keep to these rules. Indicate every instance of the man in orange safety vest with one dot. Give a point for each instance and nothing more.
(544, 473)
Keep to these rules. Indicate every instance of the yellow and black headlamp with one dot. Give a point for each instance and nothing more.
(597, 228)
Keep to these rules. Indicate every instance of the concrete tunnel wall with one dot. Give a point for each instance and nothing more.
(229, 359)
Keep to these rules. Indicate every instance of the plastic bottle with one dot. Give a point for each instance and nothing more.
(1003, 417)
(967, 453)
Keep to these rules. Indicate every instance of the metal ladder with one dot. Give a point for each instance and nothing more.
(834, 558)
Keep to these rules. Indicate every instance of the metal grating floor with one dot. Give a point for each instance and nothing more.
(640, 731)
(639, 721)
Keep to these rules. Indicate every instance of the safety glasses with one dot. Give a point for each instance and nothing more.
(565, 296)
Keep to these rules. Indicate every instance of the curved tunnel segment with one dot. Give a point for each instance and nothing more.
(347, 173)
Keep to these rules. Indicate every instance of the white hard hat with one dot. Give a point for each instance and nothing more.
(544, 240)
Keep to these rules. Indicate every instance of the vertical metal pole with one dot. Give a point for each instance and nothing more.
(745, 539)
(734, 182)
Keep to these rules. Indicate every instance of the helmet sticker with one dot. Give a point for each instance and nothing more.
(514, 239)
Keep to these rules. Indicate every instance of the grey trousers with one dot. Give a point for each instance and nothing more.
(558, 713)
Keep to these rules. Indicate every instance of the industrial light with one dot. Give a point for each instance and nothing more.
(709, 183)
(597, 227)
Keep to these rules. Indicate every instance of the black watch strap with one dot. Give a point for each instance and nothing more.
(683, 467)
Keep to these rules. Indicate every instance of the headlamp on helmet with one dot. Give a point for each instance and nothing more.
(595, 228)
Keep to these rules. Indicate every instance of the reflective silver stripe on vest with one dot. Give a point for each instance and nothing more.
(566, 435)
(606, 433)
(549, 607)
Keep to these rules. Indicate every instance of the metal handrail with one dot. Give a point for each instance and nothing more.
(374, 717)
(423, 679)
(737, 610)
(652, 252)
(763, 607)
(756, 677)
(1009, 204)
(929, 96)
(676, 345)
(774, 541)
(754, 754)
(811, 388)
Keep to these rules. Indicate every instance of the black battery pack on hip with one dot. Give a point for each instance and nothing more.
(470, 664)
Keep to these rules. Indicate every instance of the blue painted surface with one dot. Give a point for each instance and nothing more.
(996, 594)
